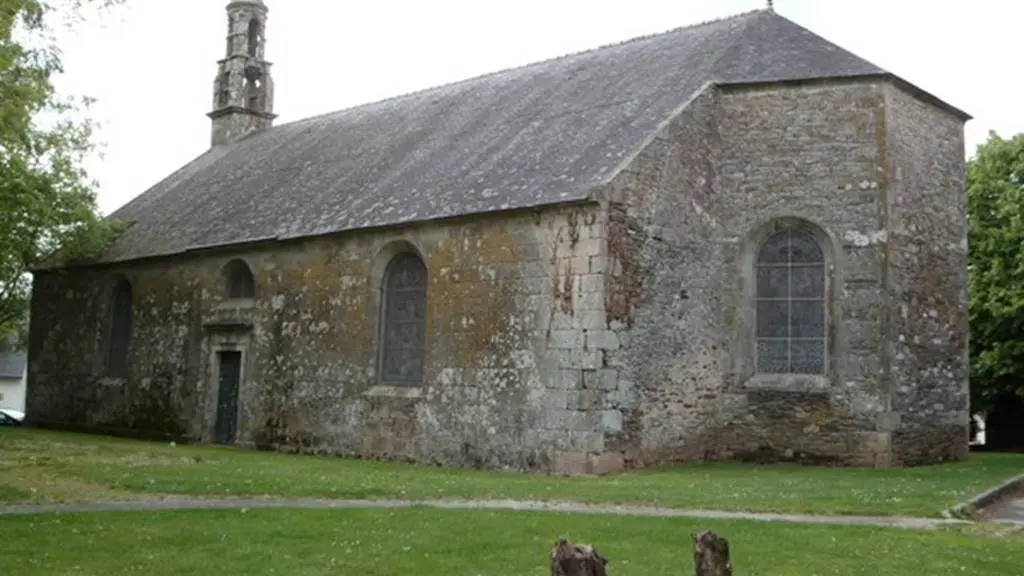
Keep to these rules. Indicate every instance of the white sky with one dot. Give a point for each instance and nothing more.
(151, 64)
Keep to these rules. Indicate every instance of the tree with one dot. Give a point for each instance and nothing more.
(48, 212)
(995, 208)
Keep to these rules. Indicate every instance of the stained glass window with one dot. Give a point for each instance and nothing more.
(405, 315)
(790, 305)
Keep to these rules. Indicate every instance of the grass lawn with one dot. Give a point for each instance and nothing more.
(452, 543)
(56, 466)
(13, 493)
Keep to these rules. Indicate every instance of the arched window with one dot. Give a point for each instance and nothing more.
(238, 280)
(791, 305)
(255, 33)
(405, 318)
(120, 328)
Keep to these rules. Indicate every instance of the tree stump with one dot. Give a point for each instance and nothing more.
(711, 555)
(568, 559)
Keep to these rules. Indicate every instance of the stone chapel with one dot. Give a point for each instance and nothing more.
(732, 240)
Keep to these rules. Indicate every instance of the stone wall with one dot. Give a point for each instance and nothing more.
(927, 280)
(663, 303)
(513, 363)
(685, 220)
(809, 152)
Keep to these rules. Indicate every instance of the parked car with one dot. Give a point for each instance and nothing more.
(10, 417)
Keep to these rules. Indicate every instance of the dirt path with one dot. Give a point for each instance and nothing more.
(573, 507)
(1009, 509)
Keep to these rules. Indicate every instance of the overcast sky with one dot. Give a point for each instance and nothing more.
(151, 64)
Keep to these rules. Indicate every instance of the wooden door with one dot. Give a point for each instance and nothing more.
(230, 376)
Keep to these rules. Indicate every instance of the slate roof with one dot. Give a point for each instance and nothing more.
(12, 365)
(541, 134)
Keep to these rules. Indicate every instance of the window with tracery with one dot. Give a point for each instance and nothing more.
(791, 304)
(405, 317)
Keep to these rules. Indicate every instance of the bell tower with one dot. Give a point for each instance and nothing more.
(243, 98)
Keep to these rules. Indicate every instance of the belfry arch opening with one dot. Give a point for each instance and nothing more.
(255, 37)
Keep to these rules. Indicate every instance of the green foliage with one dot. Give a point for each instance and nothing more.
(995, 206)
(48, 212)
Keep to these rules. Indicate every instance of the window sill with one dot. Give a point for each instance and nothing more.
(230, 315)
(788, 382)
(393, 391)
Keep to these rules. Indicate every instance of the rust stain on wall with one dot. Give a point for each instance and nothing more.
(623, 281)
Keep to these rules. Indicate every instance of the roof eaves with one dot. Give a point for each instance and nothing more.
(207, 249)
(926, 96)
(898, 82)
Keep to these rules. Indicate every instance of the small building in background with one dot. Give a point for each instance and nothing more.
(12, 380)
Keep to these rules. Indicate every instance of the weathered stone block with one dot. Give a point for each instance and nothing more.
(611, 421)
(589, 442)
(624, 397)
(562, 320)
(872, 442)
(888, 421)
(553, 418)
(590, 301)
(581, 359)
(607, 463)
(556, 398)
(591, 319)
(864, 335)
(566, 339)
(585, 400)
(591, 283)
(605, 379)
(567, 379)
(576, 263)
(602, 340)
(580, 420)
(586, 247)
(570, 463)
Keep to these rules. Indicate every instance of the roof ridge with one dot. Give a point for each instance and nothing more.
(527, 65)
